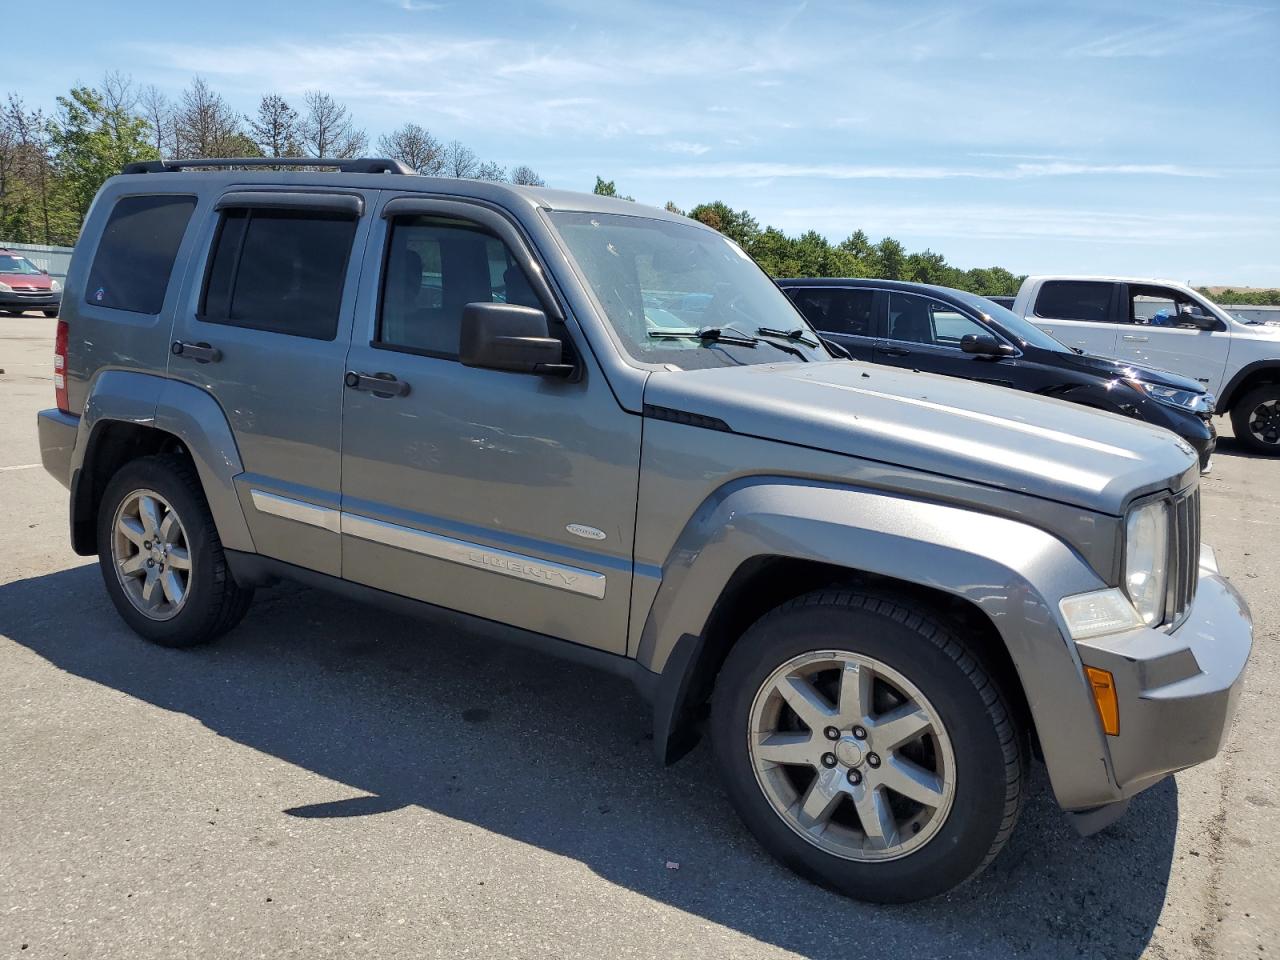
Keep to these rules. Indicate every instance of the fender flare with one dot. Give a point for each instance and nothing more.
(1234, 388)
(1011, 571)
(181, 410)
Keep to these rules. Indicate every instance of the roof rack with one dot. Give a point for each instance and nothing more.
(356, 165)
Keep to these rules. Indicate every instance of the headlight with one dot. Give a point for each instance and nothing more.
(1186, 399)
(5, 288)
(55, 286)
(1146, 559)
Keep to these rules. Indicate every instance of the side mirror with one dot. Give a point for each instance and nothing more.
(984, 346)
(504, 336)
(1203, 321)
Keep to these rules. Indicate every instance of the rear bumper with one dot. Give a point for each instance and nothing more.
(1177, 691)
(57, 432)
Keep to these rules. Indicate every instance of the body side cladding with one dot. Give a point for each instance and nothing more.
(180, 410)
(1012, 572)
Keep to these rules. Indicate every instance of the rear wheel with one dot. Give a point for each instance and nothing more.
(866, 747)
(160, 555)
(50, 313)
(1255, 418)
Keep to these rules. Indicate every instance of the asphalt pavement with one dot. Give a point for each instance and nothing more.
(333, 780)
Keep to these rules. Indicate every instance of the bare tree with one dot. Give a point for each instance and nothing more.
(119, 96)
(327, 128)
(415, 146)
(490, 171)
(278, 128)
(206, 126)
(24, 169)
(459, 160)
(527, 176)
(157, 110)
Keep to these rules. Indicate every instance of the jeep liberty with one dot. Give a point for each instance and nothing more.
(600, 429)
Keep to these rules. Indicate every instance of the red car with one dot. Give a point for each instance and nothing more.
(24, 286)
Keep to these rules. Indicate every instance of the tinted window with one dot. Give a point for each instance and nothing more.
(135, 255)
(922, 320)
(837, 310)
(435, 267)
(279, 270)
(1074, 300)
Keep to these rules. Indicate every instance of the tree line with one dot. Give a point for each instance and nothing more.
(51, 165)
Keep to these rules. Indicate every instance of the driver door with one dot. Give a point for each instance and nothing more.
(510, 496)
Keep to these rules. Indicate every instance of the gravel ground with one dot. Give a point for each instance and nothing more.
(328, 780)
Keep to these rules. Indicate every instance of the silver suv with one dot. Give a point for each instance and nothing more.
(600, 429)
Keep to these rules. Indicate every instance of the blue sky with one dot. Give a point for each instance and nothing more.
(1136, 137)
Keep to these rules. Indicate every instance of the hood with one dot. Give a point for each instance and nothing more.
(1107, 367)
(943, 425)
(30, 281)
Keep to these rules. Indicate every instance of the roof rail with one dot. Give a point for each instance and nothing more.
(356, 165)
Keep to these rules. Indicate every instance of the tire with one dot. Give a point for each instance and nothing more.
(205, 601)
(50, 313)
(972, 757)
(1255, 418)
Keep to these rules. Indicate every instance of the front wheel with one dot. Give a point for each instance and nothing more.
(1255, 418)
(160, 556)
(50, 313)
(866, 747)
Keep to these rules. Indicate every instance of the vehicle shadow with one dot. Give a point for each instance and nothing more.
(315, 680)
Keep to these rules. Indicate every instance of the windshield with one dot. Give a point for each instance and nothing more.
(661, 283)
(1015, 326)
(12, 263)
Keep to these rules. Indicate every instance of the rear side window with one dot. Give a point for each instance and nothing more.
(837, 310)
(1074, 300)
(279, 270)
(135, 255)
(435, 267)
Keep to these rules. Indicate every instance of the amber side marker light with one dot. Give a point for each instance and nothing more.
(1104, 696)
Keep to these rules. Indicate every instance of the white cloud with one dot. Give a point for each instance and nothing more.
(1012, 223)
(854, 171)
(685, 146)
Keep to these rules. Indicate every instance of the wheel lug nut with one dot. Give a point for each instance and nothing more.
(854, 777)
(873, 760)
(860, 733)
(831, 733)
(146, 544)
(150, 562)
(828, 760)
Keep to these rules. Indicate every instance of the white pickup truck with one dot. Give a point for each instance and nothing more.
(1161, 323)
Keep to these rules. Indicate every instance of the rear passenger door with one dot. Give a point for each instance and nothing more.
(265, 329)
(848, 315)
(1079, 313)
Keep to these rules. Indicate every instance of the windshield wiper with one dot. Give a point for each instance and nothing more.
(795, 336)
(717, 334)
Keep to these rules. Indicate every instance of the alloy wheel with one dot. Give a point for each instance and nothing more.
(1264, 422)
(851, 755)
(151, 555)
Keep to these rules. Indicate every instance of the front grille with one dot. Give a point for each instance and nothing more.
(1184, 555)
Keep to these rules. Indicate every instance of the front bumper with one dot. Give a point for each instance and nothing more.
(1177, 691)
(10, 300)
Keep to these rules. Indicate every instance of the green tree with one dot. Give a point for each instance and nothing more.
(607, 188)
(889, 259)
(738, 225)
(89, 142)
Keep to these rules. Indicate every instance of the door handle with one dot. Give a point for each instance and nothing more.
(379, 384)
(896, 351)
(1133, 339)
(199, 352)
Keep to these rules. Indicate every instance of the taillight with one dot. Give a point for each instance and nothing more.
(60, 368)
